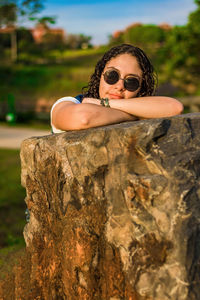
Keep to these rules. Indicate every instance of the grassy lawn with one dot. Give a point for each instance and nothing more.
(29, 82)
(12, 205)
(32, 125)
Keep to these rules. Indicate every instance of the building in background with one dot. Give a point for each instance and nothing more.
(41, 30)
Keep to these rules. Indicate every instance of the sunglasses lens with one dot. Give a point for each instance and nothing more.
(111, 77)
(131, 84)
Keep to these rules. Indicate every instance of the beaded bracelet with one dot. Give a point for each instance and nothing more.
(105, 102)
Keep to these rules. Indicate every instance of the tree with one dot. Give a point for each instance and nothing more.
(25, 41)
(148, 37)
(193, 44)
(10, 13)
(12, 10)
(8, 17)
(182, 54)
(78, 41)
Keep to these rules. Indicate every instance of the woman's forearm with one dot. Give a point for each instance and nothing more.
(81, 116)
(148, 107)
(95, 115)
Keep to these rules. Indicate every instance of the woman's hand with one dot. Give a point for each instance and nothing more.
(91, 101)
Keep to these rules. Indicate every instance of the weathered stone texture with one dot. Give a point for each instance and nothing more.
(114, 213)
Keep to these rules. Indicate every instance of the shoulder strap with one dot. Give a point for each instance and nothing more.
(79, 97)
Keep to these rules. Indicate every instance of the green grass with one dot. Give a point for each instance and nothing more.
(32, 125)
(79, 52)
(12, 205)
(29, 82)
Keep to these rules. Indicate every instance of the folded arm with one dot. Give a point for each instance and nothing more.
(145, 107)
(71, 116)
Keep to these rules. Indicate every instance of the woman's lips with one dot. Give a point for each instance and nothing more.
(113, 96)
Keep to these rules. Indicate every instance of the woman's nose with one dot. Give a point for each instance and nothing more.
(120, 84)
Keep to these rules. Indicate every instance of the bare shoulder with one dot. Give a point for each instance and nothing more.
(62, 114)
(60, 106)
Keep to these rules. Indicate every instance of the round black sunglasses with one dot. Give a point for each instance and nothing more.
(131, 83)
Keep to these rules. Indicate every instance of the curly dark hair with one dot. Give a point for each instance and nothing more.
(149, 77)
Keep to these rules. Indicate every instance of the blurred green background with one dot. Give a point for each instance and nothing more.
(12, 205)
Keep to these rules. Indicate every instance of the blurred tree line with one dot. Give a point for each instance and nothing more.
(26, 43)
(174, 51)
(19, 42)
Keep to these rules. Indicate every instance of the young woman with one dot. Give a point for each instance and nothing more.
(121, 89)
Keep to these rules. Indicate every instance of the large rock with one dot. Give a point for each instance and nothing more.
(114, 213)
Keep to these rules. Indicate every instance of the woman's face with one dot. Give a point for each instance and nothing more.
(125, 64)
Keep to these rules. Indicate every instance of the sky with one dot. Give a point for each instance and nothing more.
(100, 18)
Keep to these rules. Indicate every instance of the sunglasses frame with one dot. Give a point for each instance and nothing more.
(124, 79)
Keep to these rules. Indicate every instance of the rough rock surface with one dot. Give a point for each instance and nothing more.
(114, 213)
